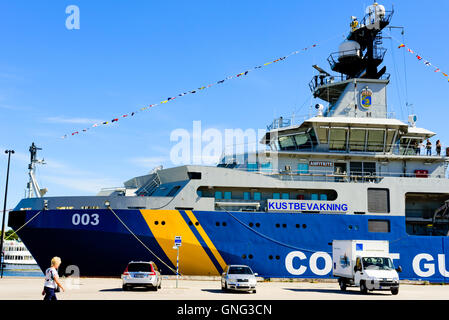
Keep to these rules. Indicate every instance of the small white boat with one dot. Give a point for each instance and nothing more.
(16, 254)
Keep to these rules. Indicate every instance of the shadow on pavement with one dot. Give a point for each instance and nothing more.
(226, 292)
(121, 290)
(347, 292)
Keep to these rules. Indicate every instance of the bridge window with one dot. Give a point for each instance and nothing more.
(357, 139)
(287, 143)
(375, 140)
(337, 139)
(322, 133)
(389, 142)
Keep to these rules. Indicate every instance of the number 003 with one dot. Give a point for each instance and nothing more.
(85, 219)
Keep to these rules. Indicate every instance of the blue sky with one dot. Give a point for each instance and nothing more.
(129, 54)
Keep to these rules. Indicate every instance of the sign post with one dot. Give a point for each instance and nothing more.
(178, 243)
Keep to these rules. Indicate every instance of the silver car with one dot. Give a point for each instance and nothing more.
(141, 274)
(239, 278)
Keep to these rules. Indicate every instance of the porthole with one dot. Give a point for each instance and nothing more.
(251, 224)
(297, 225)
(304, 226)
(163, 223)
(257, 224)
(250, 256)
(190, 223)
(217, 224)
(284, 226)
(244, 256)
(277, 257)
(197, 223)
(156, 222)
(350, 227)
(277, 225)
(224, 224)
(270, 257)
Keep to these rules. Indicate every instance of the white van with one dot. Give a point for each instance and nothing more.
(366, 264)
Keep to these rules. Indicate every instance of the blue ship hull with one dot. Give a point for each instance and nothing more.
(287, 245)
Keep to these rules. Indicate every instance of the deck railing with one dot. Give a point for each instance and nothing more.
(321, 176)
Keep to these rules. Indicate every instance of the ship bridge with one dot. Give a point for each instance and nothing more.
(346, 134)
(339, 148)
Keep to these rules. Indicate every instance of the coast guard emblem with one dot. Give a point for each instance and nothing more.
(366, 97)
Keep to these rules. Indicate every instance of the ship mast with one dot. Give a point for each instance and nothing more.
(32, 185)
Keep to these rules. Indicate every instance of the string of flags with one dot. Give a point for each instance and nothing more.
(426, 62)
(133, 113)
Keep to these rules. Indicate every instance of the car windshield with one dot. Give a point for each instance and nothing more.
(139, 267)
(377, 263)
(240, 270)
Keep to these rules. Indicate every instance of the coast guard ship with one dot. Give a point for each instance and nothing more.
(351, 172)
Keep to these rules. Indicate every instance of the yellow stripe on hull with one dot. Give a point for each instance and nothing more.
(206, 239)
(193, 260)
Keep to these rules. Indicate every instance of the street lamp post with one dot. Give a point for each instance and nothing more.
(9, 152)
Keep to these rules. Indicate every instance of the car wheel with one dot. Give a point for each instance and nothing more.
(342, 284)
(159, 286)
(363, 288)
(254, 291)
(125, 287)
(394, 291)
(226, 287)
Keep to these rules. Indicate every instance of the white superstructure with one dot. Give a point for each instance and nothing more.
(16, 253)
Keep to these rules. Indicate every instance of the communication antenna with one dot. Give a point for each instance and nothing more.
(32, 185)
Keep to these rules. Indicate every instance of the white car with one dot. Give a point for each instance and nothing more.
(141, 274)
(239, 278)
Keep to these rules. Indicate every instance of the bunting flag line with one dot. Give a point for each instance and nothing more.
(426, 62)
(238, 75)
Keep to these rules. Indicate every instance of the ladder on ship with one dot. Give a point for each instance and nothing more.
(441, 215)
(150, 187)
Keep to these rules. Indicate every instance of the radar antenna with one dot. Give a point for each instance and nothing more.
(32, 185)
